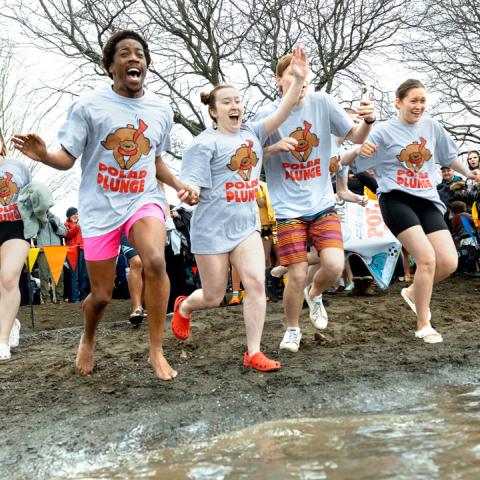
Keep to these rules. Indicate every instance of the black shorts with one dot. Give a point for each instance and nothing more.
(401, 210)
(11, 231)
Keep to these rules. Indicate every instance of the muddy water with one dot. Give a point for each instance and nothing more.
(440, 440)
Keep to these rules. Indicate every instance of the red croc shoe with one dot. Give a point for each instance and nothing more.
(260, 362)
(180, 324)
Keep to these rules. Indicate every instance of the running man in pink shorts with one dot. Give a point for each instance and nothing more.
(119, 132)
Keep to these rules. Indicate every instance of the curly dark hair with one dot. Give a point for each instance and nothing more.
(109, 48)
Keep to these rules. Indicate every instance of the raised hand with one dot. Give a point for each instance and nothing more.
(366, 110)
(31, 145)
(299, 63)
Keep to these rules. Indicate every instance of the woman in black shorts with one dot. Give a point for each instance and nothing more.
(403, 153)
(14, 175)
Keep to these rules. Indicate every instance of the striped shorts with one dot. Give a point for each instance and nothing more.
(322, 230)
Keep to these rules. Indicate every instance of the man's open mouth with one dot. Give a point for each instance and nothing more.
(134, 73)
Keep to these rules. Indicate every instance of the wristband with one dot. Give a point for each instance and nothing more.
(369, 123)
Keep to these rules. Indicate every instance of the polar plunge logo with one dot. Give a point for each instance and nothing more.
(117, 180)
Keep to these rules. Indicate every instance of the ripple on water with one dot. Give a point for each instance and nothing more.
(442, 441)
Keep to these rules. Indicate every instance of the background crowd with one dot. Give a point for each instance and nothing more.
(462, 198)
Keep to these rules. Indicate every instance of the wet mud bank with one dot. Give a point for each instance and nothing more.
(366, 361)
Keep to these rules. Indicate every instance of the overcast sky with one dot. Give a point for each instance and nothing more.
(43, 68)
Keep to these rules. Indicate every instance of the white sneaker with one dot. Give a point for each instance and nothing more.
(291, 339)
(318, 314)
(5, 355)
(14, 338)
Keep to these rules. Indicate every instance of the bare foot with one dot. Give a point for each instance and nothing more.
(84, 361)
(162, 368)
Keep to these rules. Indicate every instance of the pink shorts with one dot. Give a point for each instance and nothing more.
(103, 247)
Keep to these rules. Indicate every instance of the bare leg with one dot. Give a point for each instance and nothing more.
(436, 258)
(406, 265)
(446, 257)
(135, 282)
(213, 271)
(249, 259)
(313, 265)
(347, 273)
(275, 253)
(332, 261)
(102, 277)
(267, 248)
(148, 238)
(12, 257)
(235, 280)
(293, 294)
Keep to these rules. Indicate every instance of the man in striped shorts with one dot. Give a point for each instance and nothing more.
(297, 172)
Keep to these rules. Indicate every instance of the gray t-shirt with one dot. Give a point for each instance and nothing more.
(406, 157)
(299, 182)
(226, 167)
(14, 175)
(118, 139)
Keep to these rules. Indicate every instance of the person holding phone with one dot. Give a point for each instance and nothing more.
(403, 153)
(297, 172)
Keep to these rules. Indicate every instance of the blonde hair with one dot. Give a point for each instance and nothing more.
(283, 64)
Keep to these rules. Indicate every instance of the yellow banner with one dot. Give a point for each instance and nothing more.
(55, 256)
(369, 194)
(32, 258)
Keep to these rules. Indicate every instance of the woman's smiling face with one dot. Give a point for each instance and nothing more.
(412, 106)
(228, 110)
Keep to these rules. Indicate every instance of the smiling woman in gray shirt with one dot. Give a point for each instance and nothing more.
(224, 163)
(403, 152)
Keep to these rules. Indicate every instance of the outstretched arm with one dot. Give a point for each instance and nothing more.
(34, 147)
(299, 67)
(459, 167)
(365, 150)
(185, 193)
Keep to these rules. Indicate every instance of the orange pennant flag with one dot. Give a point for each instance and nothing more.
(72, 257)
(55, 256)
